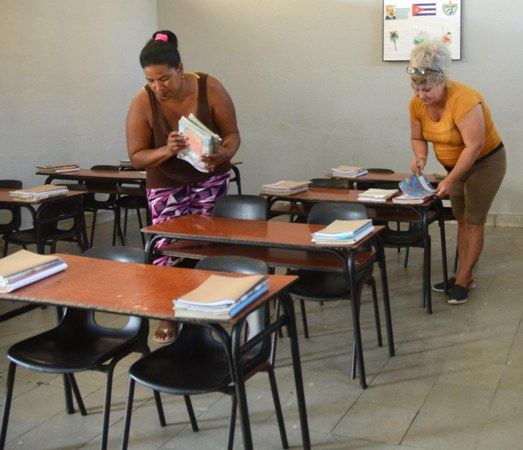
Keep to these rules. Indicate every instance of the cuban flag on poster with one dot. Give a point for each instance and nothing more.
(423, 9)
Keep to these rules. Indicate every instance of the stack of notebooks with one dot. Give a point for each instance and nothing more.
(343, 232)
(58, 168)
(40, 192)
(221, 297)
(416, 190)
(202, 141)
(376, 195)
(24, 267)
(348, 171)
(285, 187)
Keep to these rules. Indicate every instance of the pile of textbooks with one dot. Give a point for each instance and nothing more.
(202, 141)
(39, 193)
(376, 195)
(221, 297)
(285, 187)
(348, 171)
(343, 232)
(416, 189)
(24, 267)
(58, 168)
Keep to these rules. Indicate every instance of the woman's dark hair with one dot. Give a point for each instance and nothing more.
(162, 48)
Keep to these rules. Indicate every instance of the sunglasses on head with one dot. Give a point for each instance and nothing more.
(422, 70)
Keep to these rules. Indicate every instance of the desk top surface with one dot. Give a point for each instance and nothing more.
(250, 232)
(126, 288)
(377, 177)
(88, 174)
(5, 197)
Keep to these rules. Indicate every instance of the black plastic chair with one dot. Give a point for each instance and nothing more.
(246, 207)
(331, 183)
(199, 361)
(77, 344)
(122, 254)
(236, 178)
(92, 202)
(322, 286)
(51, 225)
(11, 214)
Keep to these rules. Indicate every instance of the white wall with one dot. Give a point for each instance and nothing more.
(311, 90)
(69, 69)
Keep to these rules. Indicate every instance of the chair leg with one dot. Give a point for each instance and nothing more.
(107, 408)
(377, 320)
(140, 224)
(128, 413)
(125, 214)
(406, 260)
(7, 405)
(93, 225)
(159, 407)
(304, 319)
(354, 360)
(232, 421)
(77, 395)
(6, 244)
(69, 405)
(190, 411)
(277, 407)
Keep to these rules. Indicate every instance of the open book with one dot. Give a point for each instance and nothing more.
(39, 192)
(202, 141)
(343, 232)
(221, 297)
(24, 267)
(416, 189)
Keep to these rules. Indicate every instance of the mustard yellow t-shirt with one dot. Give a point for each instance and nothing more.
(445, 136)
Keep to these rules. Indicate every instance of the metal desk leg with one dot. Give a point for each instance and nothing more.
(441, 221)
(386, 301)
(288, 307)
(427, 295)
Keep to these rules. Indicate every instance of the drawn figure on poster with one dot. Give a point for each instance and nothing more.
(394, 36)
(390, 12)
(450, 8)
(447, 38)
(420, 37)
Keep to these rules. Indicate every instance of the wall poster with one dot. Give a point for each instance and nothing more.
(409, 23)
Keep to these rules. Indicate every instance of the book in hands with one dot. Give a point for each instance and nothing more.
(377, 195)
(416, 189)
(58, 168)
(285, 187)
(39, 192)
(343, 232)
(25, 267)
(221, 297)
(202, 141)
(344, 171)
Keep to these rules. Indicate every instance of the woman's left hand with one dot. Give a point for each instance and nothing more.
(216, 160)
(444, 187)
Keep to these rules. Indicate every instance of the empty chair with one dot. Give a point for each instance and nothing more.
(122, 254)
(331, 183)
(199, 360)
(236, 178)
(52, 224)
(10, 215)
(247, 207)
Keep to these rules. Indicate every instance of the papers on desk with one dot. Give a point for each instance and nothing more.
(39, 192)
(58, 168)
(376, 195)
(416, 189)
(348, 171)
(285, 187)
(221, 297)
(24, 267)
(343, 232)
(202, 141)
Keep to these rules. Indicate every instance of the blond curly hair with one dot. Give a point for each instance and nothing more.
(434, 55)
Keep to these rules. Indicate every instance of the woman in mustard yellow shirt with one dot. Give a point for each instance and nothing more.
(456, 119)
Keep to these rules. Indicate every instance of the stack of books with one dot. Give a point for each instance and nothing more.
(221, 297)
(343, 232)
(348, 171)
(202, 141)
(416, 190)
(24, 267)
(58, 168)
(376, 195)
(39, 193)
(285, 187)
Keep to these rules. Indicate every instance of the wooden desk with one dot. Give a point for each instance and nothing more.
(148, 291)
(421, 213)
(376, 177)
(279, 235)
(117, 176)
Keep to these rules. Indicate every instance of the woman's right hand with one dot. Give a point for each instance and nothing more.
(176, 141)
(417, 164)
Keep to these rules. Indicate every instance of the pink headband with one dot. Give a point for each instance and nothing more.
(161, 37)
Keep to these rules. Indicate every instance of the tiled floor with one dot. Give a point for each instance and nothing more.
(456, 381)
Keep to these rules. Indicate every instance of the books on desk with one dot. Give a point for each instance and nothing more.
(416, 189)
(40, 192)
(376, 195)
(343, 232)
(58, 168)
(285, 187)
(202, 141)
(348, 171)
(24, 267)
(221, 297)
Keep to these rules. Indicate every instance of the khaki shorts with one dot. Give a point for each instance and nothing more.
(473, 194)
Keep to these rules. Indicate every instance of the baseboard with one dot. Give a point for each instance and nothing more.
(505, 220)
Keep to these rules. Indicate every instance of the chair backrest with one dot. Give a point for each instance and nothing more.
(122, 254)
(53, 217)
(10, 215)
(333, 183)
(247, 207)
(325, 213)
(101, 185)
(363, 185)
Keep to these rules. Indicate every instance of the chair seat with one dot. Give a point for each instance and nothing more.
(132, 202)
(402, 238)
(54, 352)
(122, 254)
(29, 236)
